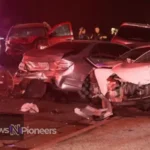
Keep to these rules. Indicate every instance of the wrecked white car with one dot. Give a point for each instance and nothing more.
(124, 82)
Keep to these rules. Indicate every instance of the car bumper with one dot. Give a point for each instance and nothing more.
(58, 80)
(34, 75)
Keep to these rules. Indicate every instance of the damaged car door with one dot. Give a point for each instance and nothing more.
(60, 33)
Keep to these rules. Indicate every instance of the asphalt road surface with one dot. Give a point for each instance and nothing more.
(51, 115)
(129, 130)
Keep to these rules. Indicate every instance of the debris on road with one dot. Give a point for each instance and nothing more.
(88, 112)
(29, 107)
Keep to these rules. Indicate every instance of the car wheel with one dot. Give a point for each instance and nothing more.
(33, 90)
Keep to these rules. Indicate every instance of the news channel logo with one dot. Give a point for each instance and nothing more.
(18, 130)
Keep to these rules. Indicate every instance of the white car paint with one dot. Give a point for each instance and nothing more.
(101, 76)
(136, 73)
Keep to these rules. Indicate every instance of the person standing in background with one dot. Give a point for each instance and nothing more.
(82, 35)
(97, 35)
(113, 32)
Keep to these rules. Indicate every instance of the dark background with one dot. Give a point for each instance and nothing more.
(87, 13)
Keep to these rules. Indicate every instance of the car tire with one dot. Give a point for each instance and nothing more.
(33, 90)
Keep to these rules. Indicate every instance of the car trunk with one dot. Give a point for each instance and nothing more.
(45, 55)
(49, 56)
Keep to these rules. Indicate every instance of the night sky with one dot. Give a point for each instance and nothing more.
(87, 13)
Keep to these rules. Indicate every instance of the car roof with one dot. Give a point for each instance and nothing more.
(29, 25)
(135, 25)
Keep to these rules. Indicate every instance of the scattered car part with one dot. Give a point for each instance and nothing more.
(29, 107)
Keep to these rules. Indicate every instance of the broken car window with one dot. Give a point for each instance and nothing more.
(111, 50)
(62, 31)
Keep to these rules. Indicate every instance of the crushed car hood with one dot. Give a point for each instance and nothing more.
(136, 73)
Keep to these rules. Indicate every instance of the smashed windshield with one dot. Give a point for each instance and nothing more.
(25, 32)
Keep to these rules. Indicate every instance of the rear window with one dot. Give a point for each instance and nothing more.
(134, 33)
(107, 49)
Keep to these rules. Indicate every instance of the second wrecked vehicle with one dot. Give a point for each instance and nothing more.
(24, 37)
(65, 65)
(126, 83)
